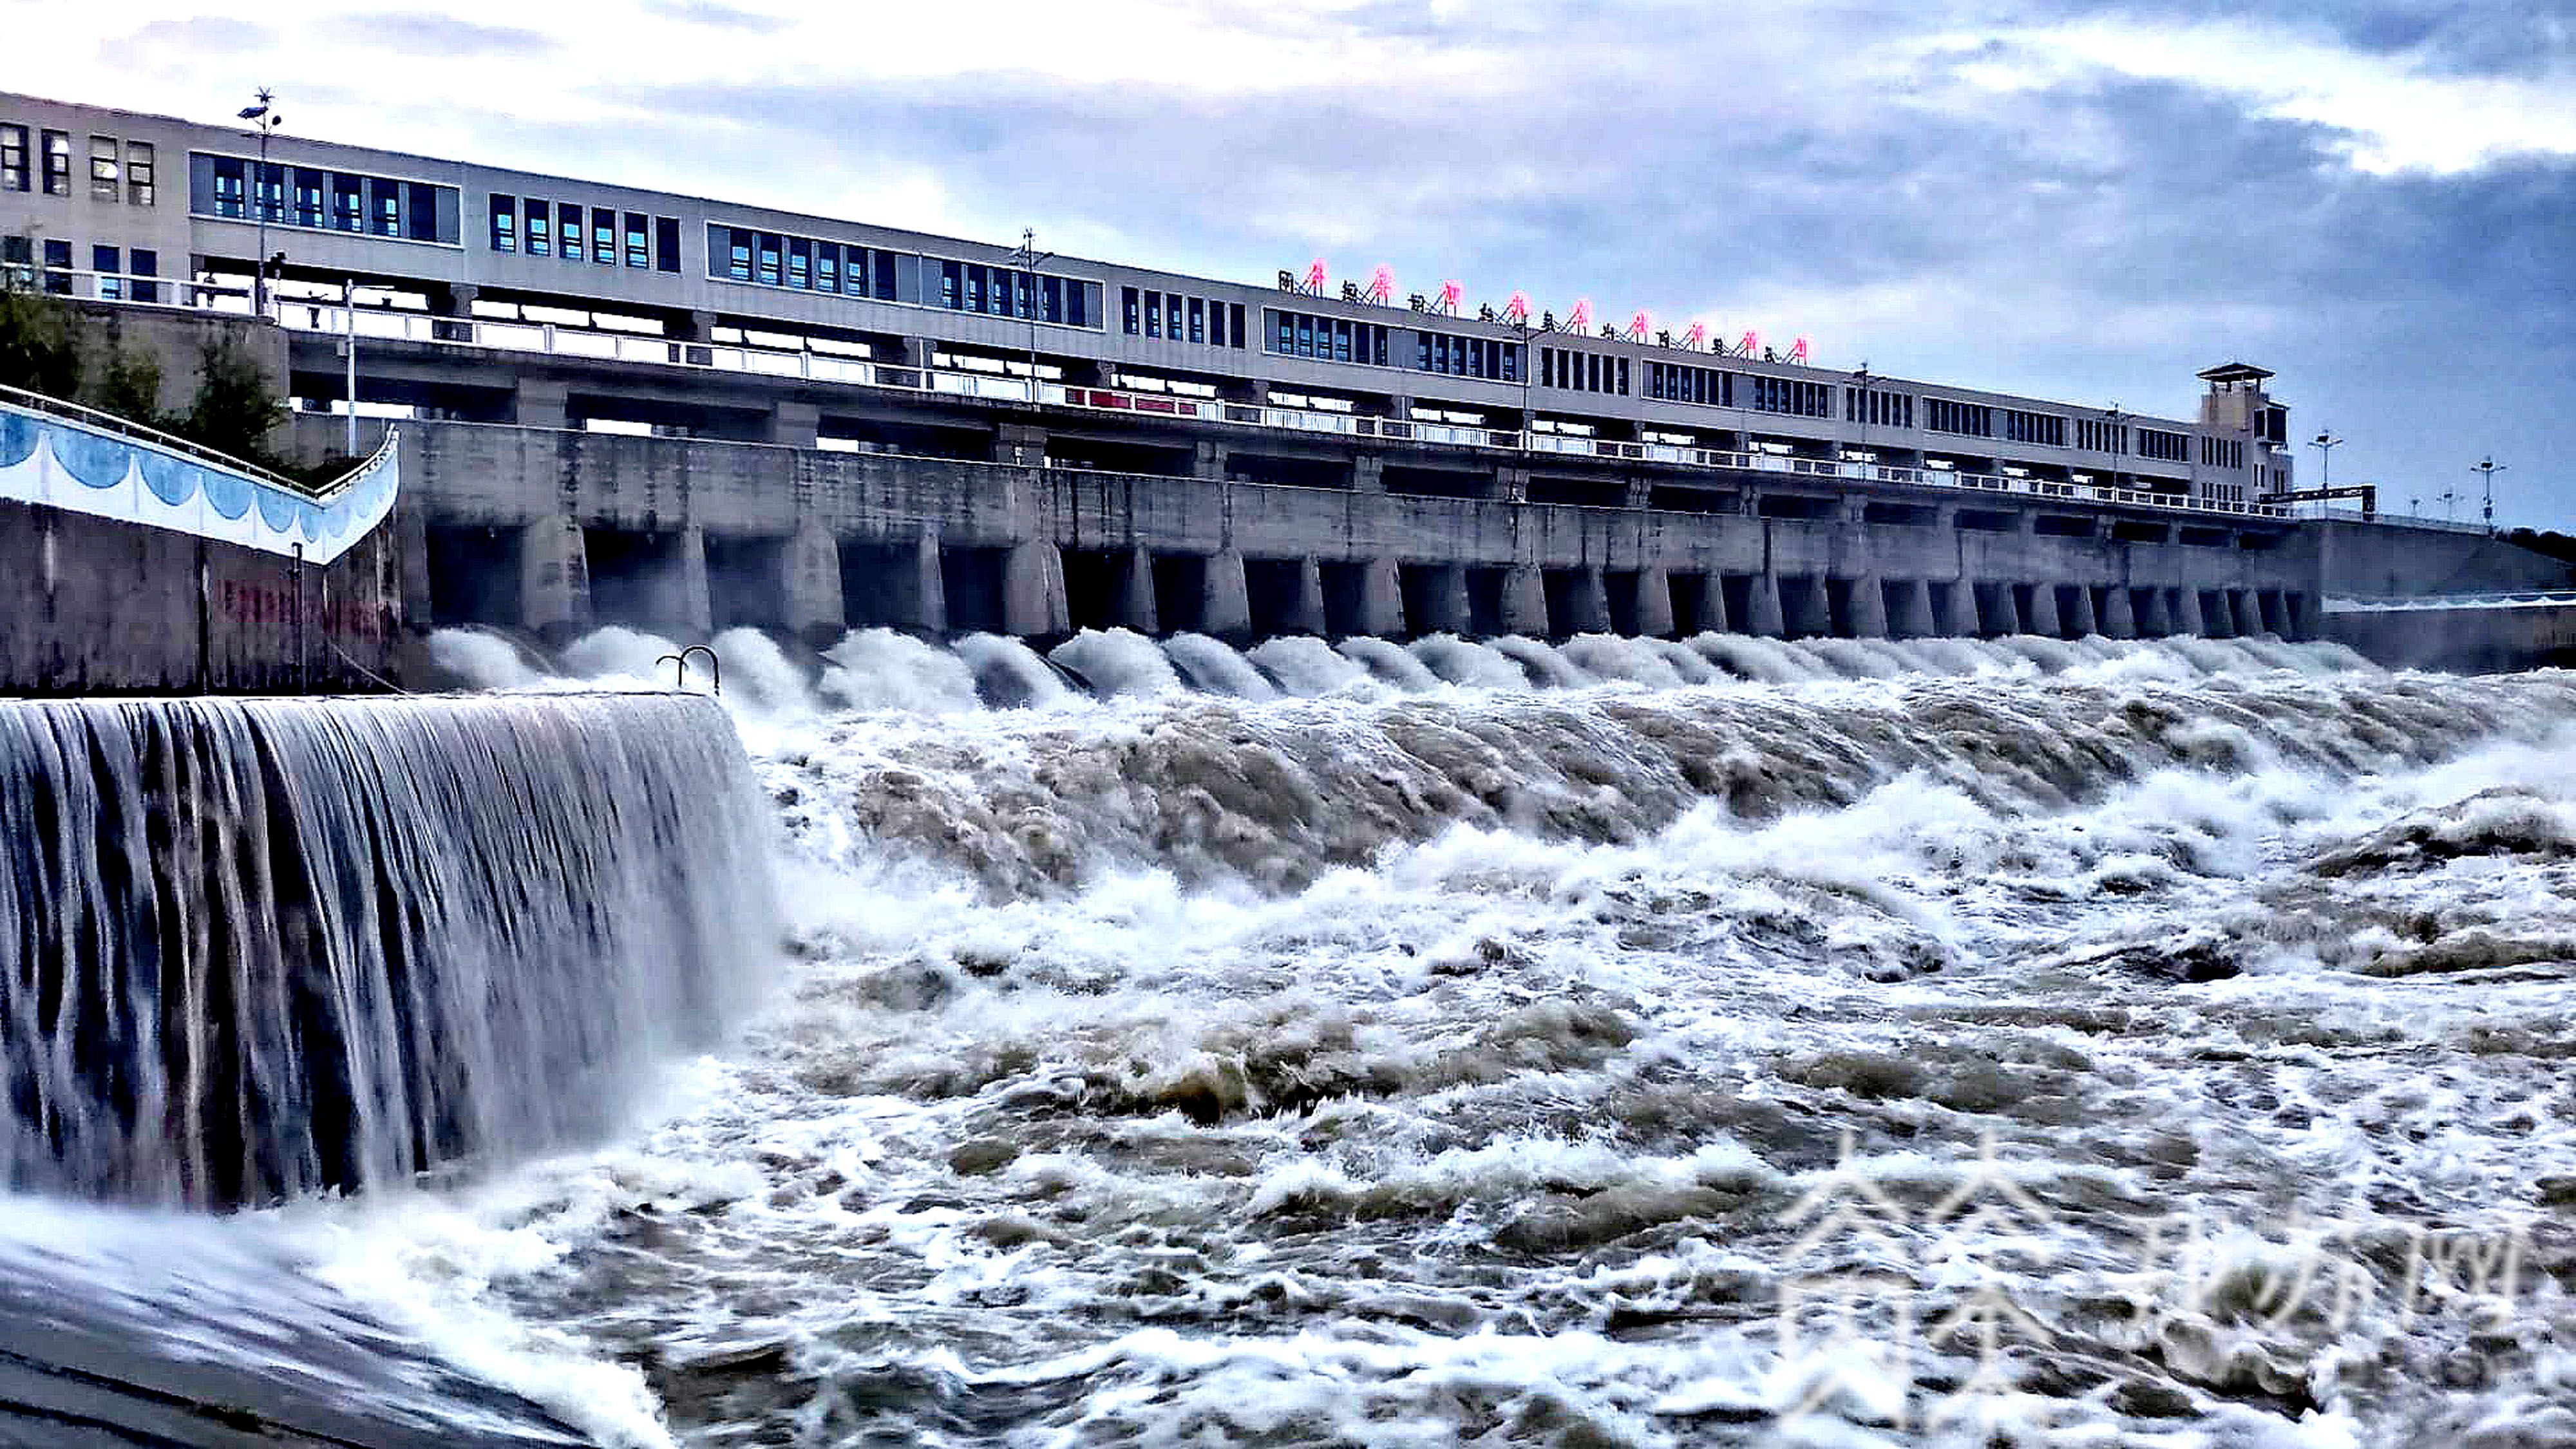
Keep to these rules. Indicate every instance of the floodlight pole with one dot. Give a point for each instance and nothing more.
(265, 121)
(2488, 467)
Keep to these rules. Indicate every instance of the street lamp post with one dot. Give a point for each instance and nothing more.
(2488, 467)
(265, 122)
(2325, 444)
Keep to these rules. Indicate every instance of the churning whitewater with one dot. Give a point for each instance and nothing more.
(1612, 1043)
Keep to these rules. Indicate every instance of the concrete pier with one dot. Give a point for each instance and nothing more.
(1225, 604)
(2043, 619)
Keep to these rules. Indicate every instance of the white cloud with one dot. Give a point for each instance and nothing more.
(2400, 115)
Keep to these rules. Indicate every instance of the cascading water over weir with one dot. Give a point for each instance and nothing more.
(250, 950)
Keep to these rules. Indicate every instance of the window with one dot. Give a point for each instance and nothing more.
(2098, 437)
(1941, 415)
(13, 158)
(540, 238)
(2162, 446)
(1234, 314)
(639, 251)
(666, 244)
(1790, 396)
(143, 266)
(603, 237)
(505, 223)
(1051, 299)
(2044, 429)
(827, 267)
(104, 176)
(104, 261)
(228, 196)
(1674, 382)
(332, 200)
(58, 163)
(1132, 310)
(58, 268)
(568, 237)
(429, 212)
(1198, 320)
(138, 173)
(1154, 314)
(1874, 408)
(800, 263)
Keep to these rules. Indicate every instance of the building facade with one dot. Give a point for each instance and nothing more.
(154, 211)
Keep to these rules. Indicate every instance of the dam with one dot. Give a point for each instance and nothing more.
(624, 407)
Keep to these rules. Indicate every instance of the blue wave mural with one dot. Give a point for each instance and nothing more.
(62, 463)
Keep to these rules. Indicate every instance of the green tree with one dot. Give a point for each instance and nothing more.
(39, 338)
(129, 385)
(233, 411)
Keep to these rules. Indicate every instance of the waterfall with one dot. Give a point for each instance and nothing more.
(256, 948)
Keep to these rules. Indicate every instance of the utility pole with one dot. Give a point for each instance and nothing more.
(1030, 259)
(2489, 467)
(265, 122)
(1860, 377)
(349, 316)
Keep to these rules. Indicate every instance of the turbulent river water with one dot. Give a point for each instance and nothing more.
(1616, 1043)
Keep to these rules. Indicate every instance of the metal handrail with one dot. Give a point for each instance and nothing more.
(715, 666)
(109, 422)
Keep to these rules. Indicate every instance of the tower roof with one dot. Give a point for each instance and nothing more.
(2234, 372)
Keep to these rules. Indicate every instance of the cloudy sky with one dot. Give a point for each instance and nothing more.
(2089, 202)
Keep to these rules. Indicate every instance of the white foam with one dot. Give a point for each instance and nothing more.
(483, 661)
(1118, 662)
(873, 669)
(1309, 667)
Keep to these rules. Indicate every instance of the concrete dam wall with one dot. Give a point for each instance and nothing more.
(560, 531)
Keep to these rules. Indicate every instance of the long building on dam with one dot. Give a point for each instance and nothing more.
(630, 406)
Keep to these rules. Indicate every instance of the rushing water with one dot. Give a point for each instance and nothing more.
(1718, 1042)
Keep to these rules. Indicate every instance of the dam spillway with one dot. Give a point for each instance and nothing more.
(256, 949)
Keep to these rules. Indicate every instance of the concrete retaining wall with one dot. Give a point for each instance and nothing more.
(2470, 640)
(91, 605)
(2381, 561)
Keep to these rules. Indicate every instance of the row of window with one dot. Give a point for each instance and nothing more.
(1328, 339)
(116, 173)
(122, 275)
(2101, 437)
(2226, 453)
(317, 199)
(1673, 382)
(1788, 395)
(1877, 408)
(1034, 296)
(807, 264)
(1582, 371)
(17, 168)
(1942, 415)
(1467, 357)
(534, 226)
(2045, 429)
(1150, 313)
(2164, 447)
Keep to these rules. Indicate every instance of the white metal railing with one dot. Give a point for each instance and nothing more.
(37, 402)
(560, 340)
